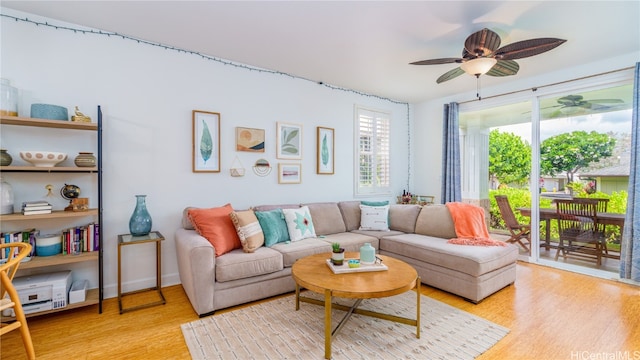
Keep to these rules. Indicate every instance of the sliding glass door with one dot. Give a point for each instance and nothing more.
(539, 148)
(585, 139)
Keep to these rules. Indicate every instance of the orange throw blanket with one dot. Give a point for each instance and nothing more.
(470, 225)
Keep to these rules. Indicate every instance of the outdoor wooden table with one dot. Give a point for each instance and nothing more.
(548, 214)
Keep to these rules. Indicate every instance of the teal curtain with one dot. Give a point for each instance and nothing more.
(630, 250)
(451, 175)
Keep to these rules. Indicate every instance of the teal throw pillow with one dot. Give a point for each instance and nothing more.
(374, 203)
(273, 226)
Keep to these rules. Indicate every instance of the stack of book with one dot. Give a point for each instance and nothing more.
(36, 207)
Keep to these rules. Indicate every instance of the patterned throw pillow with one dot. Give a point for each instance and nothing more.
(299, 223)
(374, 217)
(248, 229)
(216, 226)
(273, 226)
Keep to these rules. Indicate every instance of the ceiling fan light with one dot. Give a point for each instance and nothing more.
(478, 66)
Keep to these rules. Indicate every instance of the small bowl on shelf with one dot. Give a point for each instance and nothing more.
(48, 111)
(43, 158)
(354, 263)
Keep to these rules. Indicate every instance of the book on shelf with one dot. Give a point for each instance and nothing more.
(35, 212)
(35, 208)
(29, 204)
(28, 236)
(87, 237)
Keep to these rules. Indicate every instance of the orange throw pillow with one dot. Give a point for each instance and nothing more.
(216, 226)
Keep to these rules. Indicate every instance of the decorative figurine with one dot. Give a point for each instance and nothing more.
(72, 193)
(80, 117)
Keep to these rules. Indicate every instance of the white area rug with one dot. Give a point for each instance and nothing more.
(274, 330)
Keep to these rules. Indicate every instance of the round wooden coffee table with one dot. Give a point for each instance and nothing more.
(314, 274)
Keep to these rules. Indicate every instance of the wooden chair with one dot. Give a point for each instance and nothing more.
(579, 232)
(518, 231)
(15, 253)
(601, 207)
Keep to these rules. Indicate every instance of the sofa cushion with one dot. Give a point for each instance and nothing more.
(273, 226)
(293, 251)
(248, 229)
(299, 223)
(377, 234)
(274, 207)
(352, 241)
(215, 225)
(350, 214)
(472, 260)
(327, 218)
(239, 265)
(403, 217)
(186, 222)
(374, 217)
(435, 220)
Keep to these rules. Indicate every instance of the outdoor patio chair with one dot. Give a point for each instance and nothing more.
(517, 231)
(579, 232)
(601, 207)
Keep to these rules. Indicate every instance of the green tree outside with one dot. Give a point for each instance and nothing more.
(509, 158)
(570, 152)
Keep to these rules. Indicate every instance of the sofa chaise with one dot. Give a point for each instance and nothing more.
(416, 234)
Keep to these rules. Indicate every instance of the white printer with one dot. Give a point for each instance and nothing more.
(43, 292)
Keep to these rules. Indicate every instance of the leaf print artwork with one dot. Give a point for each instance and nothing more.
(325, 151)
(289, 141)
(288, 144)
(325, 156)
(205, 146)
(206, 143)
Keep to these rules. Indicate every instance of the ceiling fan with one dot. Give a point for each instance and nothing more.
(579, 101)
(573, 103)
(482, 54)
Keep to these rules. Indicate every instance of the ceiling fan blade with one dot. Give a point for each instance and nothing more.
(570, 100)
(437, 61)
(526, 48)
(482, 43)
(450, 75)
(606, 101)
(504, 68)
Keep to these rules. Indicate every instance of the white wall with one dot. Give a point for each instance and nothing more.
(147, 94)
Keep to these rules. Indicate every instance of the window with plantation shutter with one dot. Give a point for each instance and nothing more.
(372, 153)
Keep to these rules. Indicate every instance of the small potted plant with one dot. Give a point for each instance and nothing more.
(337, 257)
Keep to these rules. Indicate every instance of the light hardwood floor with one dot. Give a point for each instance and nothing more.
(552, 314)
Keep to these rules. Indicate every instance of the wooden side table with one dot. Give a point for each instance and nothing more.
(128, 239)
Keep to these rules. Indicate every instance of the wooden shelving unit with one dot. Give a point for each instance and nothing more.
(94, 296)
(57, 214)
(45, 261)
(57, 169)
(56, 124)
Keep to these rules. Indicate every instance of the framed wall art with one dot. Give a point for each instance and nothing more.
(248, 139)
(289, 173)
(289, 141)
(206, 141)
(325, 150)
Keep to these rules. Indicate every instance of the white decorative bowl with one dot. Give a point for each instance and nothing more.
(43, 158)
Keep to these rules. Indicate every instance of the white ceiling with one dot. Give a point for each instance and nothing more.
(364, 45)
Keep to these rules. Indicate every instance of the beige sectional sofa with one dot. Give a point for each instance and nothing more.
(417, 235)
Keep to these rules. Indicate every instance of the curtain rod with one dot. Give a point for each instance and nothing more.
(548, 85)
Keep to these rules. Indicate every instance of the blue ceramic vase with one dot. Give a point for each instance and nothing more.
(140, 222)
